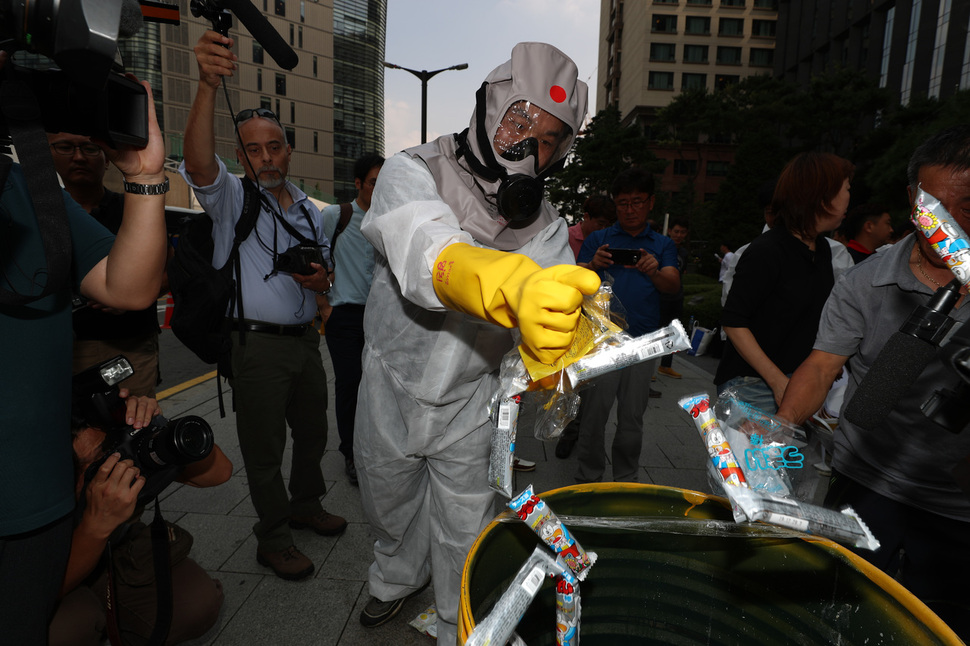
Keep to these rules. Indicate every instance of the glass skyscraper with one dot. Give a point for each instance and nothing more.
(358, 87)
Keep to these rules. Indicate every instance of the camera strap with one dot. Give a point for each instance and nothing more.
(22, 113)
(296, 234)
(163, 586)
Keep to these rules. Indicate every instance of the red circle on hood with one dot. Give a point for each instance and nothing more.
(557, 93)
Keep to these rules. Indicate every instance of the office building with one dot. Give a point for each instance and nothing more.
(651, 51)
(913, 47)
(358, 87)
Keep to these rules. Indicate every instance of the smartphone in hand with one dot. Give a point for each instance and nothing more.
(625, 256)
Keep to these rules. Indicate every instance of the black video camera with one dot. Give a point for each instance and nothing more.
(82, 94)
(297, 259)
(160, 450)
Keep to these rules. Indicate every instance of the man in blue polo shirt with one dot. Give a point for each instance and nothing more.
(638, 287)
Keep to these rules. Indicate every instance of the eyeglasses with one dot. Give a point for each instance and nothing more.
(627, 204)
(67, 148)
(266, 113)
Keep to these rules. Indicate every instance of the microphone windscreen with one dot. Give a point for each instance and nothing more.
(263, 32)
(898, 366)
(131, 19)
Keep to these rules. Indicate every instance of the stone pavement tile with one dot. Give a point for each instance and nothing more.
(314, 611)
(211, 500)
(685, 457)
(350, 557)
(237, 588)
(245, 507)
(652, 457)
(217, 538)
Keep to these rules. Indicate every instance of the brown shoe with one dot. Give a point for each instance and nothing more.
(669, 372)
(322, 523)
(290, 564)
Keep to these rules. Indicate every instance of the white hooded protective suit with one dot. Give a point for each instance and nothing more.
(422, 438)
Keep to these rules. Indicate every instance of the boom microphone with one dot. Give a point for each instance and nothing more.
(903, 359)
(263, 32)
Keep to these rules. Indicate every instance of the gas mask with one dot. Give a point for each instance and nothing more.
(527, 113)
(531, 144)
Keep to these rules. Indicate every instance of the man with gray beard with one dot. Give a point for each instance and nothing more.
(277, 373)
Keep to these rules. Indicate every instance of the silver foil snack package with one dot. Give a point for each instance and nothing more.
(504, 421)
(500, 623)
(632, 350)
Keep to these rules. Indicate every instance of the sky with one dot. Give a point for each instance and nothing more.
(434, 34)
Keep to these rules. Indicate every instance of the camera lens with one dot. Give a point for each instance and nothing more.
(182, 441)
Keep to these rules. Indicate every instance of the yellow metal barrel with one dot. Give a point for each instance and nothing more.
(701, 580)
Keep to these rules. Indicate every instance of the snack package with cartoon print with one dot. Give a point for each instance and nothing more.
(949, 241)
(535, 513)
(756, 489)
(567, 610)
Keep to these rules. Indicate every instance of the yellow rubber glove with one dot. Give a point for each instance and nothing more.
(511, 290)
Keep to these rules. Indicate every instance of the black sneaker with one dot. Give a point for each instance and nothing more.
(564, 447)
(378, 612)
(351, 470)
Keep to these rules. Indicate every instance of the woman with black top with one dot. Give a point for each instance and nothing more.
(782, 281)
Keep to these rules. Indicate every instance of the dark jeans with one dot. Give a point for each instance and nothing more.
(928, 553)
(31, 570)
(345, 341)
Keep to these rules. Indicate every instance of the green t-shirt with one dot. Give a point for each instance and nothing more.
(36, 467)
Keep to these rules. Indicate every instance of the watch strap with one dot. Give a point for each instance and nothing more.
(147, 189)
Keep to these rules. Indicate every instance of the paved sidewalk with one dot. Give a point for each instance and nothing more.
(263, 609)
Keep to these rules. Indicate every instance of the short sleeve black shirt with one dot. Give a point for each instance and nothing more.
(780, 287)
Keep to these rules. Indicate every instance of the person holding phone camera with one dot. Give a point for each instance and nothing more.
(642, 264)
(106, 502)
(278, 377)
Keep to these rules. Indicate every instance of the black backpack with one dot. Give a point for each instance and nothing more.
(202, 294)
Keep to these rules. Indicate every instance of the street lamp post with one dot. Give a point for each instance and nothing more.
(425, 76)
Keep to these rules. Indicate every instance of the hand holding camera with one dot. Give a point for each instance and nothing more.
(133, 429)
(112, 495)
(141, 165)
(318, 281)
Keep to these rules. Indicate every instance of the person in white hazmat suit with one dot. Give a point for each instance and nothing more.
(467, 250)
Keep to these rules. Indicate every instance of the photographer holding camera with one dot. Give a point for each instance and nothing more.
(277, 373)
(109, 500)
(43, 256)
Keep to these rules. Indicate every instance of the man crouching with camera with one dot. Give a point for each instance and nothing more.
(112, 552)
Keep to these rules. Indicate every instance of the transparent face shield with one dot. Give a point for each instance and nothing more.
(528, 130)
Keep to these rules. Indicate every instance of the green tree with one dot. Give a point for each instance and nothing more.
(832, 114)
(887, 149)
(602, 150)
(749, 114)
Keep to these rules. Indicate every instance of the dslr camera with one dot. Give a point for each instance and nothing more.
(160, 450)
(297, 259)
(81, 93)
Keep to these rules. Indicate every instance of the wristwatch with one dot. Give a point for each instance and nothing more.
(147, 189)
